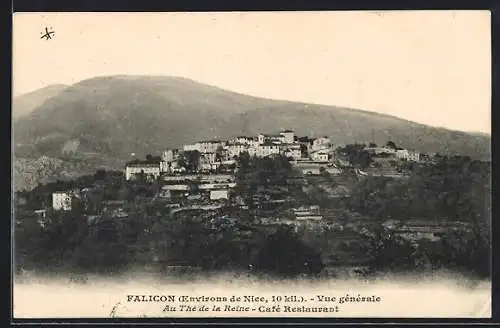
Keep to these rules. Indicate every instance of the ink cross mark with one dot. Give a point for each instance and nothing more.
(112, 314)
(48, 34)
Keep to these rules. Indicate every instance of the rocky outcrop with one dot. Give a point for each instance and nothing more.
(29, 173)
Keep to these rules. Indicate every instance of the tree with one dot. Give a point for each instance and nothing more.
(303, 150)
(318, 196)
(192, 159)
(218, 153)
(355, 154)
(141, 177)
(454, 189)
(391, 144)
(387, 251)
(100, 175)
(362, 159)
(244, 161)
(194, 186)
(284, 254)
(181, 161)
(372, 145)
(103, 251)
(51, 247)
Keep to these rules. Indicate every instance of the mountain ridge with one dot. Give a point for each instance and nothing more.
(285, 101)
(185, 79)
(111, 117)
(26, 103)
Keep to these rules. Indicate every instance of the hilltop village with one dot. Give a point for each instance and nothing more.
(204, 173)
(333, 196)
(309, 155)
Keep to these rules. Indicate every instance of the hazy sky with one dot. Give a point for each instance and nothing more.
(432, 67)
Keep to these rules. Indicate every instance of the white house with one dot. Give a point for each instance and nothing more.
(207, 146)
(408, 155)
(152, 171)
(208, 158)
(243, 140)
(210, 146)
(254, 142)
(210, 166)
(170, 155)
(320, 156)
(320, 143)
(175, 168)
(308, 213)
(293, 151)
(219, 194)
(175, 187)
(61, 201)
(270, 138)
(287, 136)
(165, 166)
(267, 149)
(236, 149)
(192, 147)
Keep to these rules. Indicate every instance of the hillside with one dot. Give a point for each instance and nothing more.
(28, 173)
(348, 126)
(114, 116)
(24, 104)
(119, 115)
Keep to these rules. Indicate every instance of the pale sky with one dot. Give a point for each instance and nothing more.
(432, 67)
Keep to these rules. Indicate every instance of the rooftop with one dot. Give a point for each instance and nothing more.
(143, 165)
(306, 139)
(211, 141)
(321, 151)
(269, 144)
(113, 202)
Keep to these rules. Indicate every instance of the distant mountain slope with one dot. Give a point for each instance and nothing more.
(118, 115)
(24, 104)
(348, 126)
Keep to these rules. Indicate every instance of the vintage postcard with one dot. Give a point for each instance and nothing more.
(252, 164)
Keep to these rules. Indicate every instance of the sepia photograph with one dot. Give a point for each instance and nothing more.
(332, 164)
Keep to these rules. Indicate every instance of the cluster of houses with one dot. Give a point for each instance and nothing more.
(393, 153)
(212, 179)
(198, 188)
(310, 155)
(214, 155)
